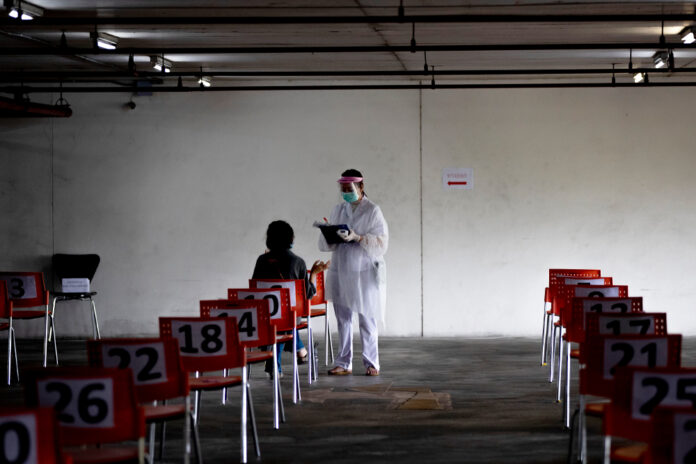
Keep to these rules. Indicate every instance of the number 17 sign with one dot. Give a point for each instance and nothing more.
(457, 178)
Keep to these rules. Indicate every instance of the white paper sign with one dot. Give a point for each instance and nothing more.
(457, 178)
(247, 321)
(639, 353)
(580, 281)
(606, 292)
(18, 441)
(684, 436)
(613, 325)
(79, 403)
(75, 285)
(652, 389)
(145, 360)
(20, 287)
(199, 339)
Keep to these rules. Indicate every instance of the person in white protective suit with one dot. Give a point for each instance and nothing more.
(356, 280)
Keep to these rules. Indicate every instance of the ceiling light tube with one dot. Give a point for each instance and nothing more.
(160, 63)
(23, 10)
(105, 41)
(687, 35)
(205, 81)
(638, 78)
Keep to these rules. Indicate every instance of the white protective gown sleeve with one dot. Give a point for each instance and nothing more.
(356, 278)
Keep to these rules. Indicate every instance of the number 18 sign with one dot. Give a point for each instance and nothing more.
(457, 178)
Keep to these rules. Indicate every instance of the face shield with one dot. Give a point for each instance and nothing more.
(348, 187)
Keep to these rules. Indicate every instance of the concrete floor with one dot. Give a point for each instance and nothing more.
(484, 401)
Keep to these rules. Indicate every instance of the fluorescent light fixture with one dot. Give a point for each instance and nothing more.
(660, 59)
(160, 63)
(104, 40)
(23, 10)
(205, 81)
(638, 78)
(687, 35)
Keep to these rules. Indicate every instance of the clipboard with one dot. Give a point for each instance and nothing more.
(329, 233)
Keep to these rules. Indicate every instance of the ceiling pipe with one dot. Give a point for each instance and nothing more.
(96, 76)
(35, 51)
(67, 20)
(264, 88)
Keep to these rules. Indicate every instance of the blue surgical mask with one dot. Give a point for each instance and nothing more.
(350, 197)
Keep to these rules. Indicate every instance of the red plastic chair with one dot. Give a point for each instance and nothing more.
(212, 344)
(548, 319)
(563, 297)
(6, 314)
(299, 304)
(94, 406)
(637, 323)
(255, 330)
(604, 355)
(319, 307)
(28, 290)
(637, 392)
(30, 435)
(282, 316)
(673, 438)
(158, 377)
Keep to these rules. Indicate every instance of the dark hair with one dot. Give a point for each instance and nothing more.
(354, 173)
(279, 236)
(351, 173)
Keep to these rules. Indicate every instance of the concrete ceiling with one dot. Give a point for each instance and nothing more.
(187, 34)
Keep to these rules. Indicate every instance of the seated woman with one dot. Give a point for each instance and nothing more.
(280, 263)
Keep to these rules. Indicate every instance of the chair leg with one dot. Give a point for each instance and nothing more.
(187, 431)
(45, 345)
(196, 439)
(276, 394)
(95, 321)
(55, 338)
(14, 348)
(560, 370)
(196, 402)
(9, 355)
(224, 390)
(552, 348)
(544, 334)
(243, 421)
(282, 405)
(567, 385)
(295, 374)
(607, 449)
(311, 351)
(326, 338)
(163, 440)
(252, 417)
(582, 430)
(151, 444)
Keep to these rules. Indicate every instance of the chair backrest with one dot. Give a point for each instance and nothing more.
(583, 307)
(205, 343)
(673, 438)
(253, 319)
(638, 323)
(157, 370)
(282, 314)
(5, 302)
(298, 292)
(26, 289)
(603, 355)
(319, 298)
(29, 436)
(93, 405)
(67, 266)
(564, 295)
(639, 390)
(554, 274)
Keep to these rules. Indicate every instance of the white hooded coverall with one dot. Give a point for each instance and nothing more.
(356, 279)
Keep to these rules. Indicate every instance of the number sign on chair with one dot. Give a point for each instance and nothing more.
(255, 330)
(584, 307)
(637, 392)
(626, 324)
(29, 436)
(158, 376)
(93, 406)
(28, 290)
(212, 344)
(673, 440)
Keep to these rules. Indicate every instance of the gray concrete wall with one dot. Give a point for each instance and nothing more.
(175, 196)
